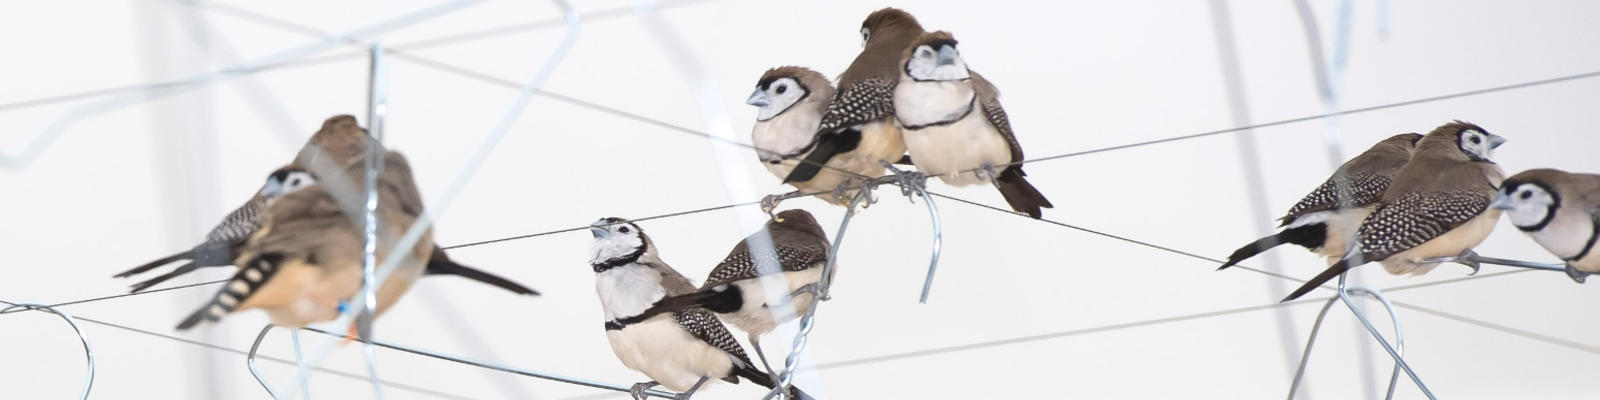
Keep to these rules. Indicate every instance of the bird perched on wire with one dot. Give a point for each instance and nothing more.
(1437, 206)
(953, 125)
(857, 130)
(336, 145)
(681, 350)
(735, 291)
(1560, 210)
(305, 262)
(1324, 220)
(789, 104)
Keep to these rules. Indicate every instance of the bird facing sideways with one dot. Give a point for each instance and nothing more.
(304, 264)
(336, 145)
(1437, 206)
(858, 127)
(789, 104)
(735, 289)
(953, 125)
(1560, 210)
(1323, 221)
(681, 350)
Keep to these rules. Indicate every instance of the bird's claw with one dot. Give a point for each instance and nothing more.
(638, 389)
(769, 203)
(813, 289)
(1577, 276)
(1469, 259)
(987, 172)
(910, 182)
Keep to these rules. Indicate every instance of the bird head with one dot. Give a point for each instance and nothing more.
(286, 180)
(933, 57)
(783, 87)
(615, 241)
(1529, 198)
(881, 22)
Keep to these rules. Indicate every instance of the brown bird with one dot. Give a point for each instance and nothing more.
(858, 126)
(953, 125)
(789, 104)
(1560, 210)
(1437, 206)
(305, 262)
(1319, 222)
(340, 142)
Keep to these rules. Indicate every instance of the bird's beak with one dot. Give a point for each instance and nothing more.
(598, 229)
(272, 186)
(758, 99)
(1501, 201)
(1495, 141)
(947, 56)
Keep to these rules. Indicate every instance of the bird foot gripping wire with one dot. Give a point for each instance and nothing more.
(910, 182)
(88, 354)
(1473, 260)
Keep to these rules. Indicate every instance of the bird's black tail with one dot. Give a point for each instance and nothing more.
(439, 264)
(239, 288)
(1310, 235)
(827, 146)
(1326, 275)
(1020, 194)
(182, 255)
(727, 300)
(146, 284)
(761, 378)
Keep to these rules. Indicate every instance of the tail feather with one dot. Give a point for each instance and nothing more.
(1326, 275)
(239, 288)
(829, 145)
(1310, 236)
(443, 266)
(1020, 194)
(725, 301)
(146, 284)
(182, 255)
(761, 378)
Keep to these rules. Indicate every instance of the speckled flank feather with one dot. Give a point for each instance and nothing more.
(1415, 219)
(1365, 188)
(869, 99)
(796, 251)
(705, 326)
(240, 223)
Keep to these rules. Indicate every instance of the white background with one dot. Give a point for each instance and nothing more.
(1021, 308)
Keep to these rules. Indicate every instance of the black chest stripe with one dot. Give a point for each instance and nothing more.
(970, 106)
(1594, 233)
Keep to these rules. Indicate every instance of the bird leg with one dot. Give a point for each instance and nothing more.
(1577, 276)
(755, 342)
(841, 193)
(1467, 258)
(987, 172)
(638, 389)
(811, 288)
(909, 181)
(685, 395)
(771, 201)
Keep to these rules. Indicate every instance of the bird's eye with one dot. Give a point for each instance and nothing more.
(1526, 195)
(623, 230)
(783, 88)
(1477, 140)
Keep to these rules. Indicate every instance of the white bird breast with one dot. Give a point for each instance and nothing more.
(628, 290)
(666, 353)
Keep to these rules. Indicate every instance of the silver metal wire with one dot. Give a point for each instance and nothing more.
(1394, 319)
(88, 352)
(808, 321)
(377, 111)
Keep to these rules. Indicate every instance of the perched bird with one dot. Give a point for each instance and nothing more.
(789, 103)
(339, 143)
(858, 127)
(734, 289)
(305, 262)
(1560, 210)
(1437, 206)
(1323, 221)
(680, 350)
(953, 125)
